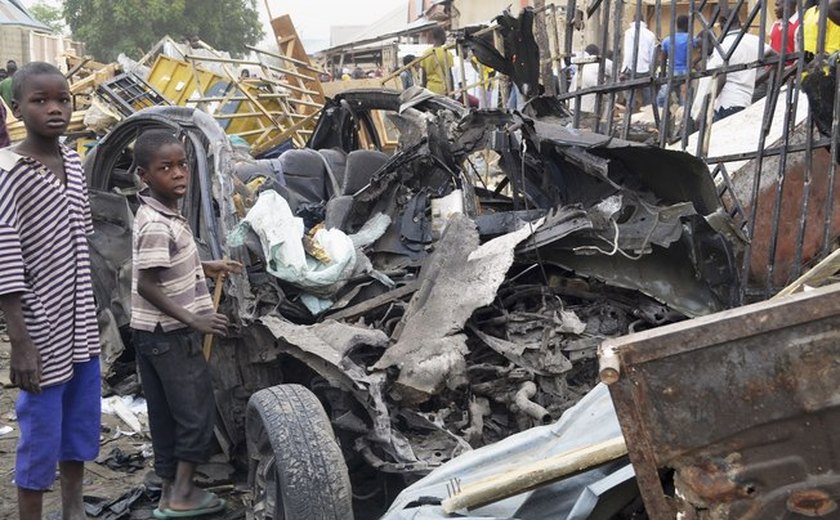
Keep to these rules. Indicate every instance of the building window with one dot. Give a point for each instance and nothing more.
(418, 7)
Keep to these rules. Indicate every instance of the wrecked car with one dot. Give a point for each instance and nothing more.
(400, 309)
(734, 437)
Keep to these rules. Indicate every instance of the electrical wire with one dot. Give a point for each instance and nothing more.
(616, 248)
(530, 223)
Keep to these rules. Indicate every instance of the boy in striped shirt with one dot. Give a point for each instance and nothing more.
(170, 308)
(47, 296)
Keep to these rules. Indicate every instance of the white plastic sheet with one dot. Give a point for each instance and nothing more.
(281, 238)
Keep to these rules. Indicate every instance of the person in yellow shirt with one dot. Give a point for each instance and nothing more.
(811, 24)
(820, 83)
(437, 66)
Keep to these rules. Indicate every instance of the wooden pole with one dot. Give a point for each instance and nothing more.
(513, 481)
(827, 268)
(268, 11)
(217, 297)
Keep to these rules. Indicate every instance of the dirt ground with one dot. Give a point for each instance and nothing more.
(102, 481)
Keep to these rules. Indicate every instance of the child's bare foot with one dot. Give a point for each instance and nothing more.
(165, 492)
(196, 499)
(185, 497)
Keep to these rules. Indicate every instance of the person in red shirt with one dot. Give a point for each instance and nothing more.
(776, 32)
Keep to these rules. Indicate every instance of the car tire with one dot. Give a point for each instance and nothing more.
(297, 468)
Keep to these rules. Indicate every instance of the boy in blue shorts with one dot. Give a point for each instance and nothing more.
(170, 309)
(47, 296)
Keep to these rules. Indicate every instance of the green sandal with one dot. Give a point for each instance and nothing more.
(210, 504)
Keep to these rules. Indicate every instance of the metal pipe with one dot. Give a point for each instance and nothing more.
(523, 403)
(479, 407)
(688, 98)
(780, 186)
(666, 114)
(555, 41)
(806, 182)
(794, 87)
(756, 187)
(619, 19)
(832, 166)
(599, 97)
(747, 156)
(462, 63)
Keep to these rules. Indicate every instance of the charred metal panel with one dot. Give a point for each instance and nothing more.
(737, 412)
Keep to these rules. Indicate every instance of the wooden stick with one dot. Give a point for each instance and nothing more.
(827, 268)
(217, 297)
(529, 476)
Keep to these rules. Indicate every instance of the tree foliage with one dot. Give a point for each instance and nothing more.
(108, 28)
(49, 15)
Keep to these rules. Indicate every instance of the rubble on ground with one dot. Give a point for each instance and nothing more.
(439, 331)
(436, 299)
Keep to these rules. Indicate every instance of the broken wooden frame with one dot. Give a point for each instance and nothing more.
(281, 105)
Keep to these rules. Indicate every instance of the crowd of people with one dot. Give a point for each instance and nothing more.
(642, 56)
(676, 55)
(439, 71)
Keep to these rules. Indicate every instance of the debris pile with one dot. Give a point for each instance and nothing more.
(439, 278)
(275, 107)
(435, 299)
(432, 310)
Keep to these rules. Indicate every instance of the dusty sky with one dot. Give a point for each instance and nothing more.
(313, 18)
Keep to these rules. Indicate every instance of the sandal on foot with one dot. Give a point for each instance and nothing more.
(210, 504)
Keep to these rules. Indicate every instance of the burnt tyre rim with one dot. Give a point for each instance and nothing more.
(267, 498)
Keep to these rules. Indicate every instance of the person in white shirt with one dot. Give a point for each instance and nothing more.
(644, 57)
(586, 76)
(735, 89)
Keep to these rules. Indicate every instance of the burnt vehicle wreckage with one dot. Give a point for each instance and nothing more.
(398, 310)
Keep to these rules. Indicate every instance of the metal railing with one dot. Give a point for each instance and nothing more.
(781, 188)
(775, 197)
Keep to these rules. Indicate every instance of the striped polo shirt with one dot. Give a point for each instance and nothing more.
(163, 239)
(44, 256)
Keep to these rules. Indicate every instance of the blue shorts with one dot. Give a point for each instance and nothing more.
(62, 423)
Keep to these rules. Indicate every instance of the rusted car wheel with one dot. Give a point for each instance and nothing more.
(297, 469)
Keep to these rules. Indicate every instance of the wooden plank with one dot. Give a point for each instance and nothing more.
(286, 35)
(513, 481)
(290, 132)
(376, 301)
(815, 276)
(288, 59)
(92, 81)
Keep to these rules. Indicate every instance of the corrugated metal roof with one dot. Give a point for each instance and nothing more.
(391, 25)
(393, 21)
(12, 12)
